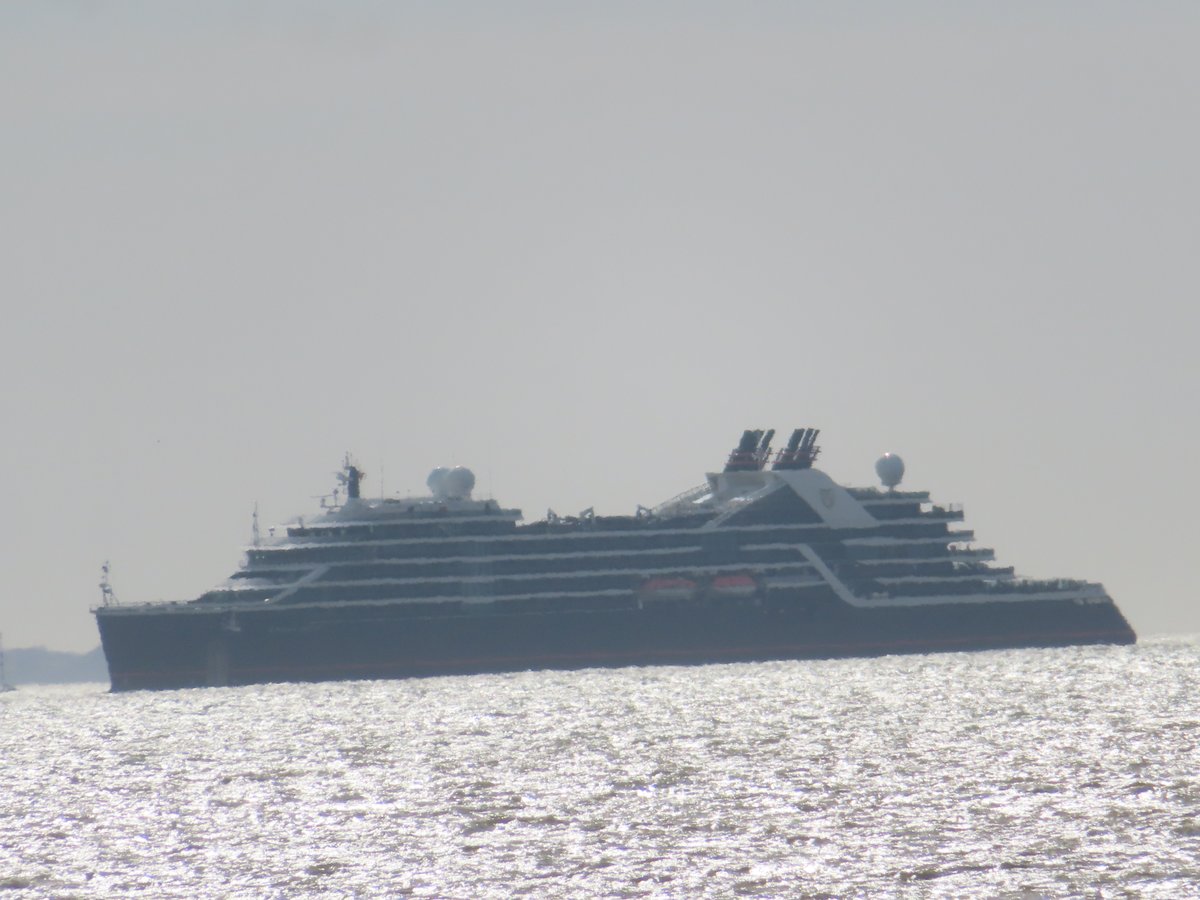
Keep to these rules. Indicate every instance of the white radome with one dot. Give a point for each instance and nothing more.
(890, 469)
(458, 483)
(437, 481)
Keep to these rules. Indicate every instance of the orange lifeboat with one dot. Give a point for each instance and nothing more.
(668, 589)
(733, 586)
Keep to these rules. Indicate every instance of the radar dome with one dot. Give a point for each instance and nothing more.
(458, 483)
(437, 481)
(890, 469)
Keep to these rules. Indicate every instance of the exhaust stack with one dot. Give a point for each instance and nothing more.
(744, 457)
(800, 452)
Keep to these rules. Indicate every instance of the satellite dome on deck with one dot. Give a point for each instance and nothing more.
(890, 469)
(458, 483)
(437, 480)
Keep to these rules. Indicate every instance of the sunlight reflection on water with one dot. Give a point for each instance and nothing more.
(1016, 773)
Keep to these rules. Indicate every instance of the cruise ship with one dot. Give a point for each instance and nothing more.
(768, 559)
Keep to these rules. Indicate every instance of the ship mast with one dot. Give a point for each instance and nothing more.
(351, 476)
(108, 597)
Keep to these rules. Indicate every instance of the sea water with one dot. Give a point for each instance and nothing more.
(1009, 774)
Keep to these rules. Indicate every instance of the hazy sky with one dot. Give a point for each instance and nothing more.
(579, 248)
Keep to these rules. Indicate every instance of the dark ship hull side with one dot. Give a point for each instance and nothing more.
(162, 648)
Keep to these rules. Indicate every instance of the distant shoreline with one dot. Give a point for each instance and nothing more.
(37, 665)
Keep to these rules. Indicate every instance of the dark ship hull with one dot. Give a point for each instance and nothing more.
(175, 650)
(755, 565)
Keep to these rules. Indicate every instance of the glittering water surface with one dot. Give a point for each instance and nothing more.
(1057, 772)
